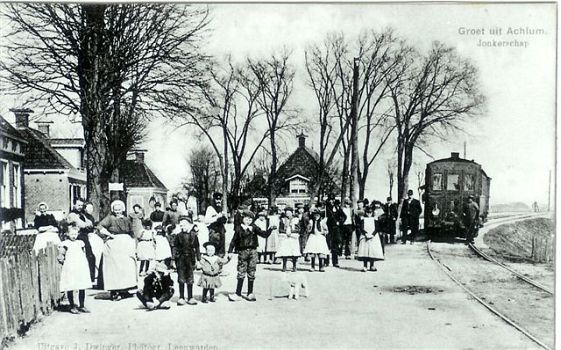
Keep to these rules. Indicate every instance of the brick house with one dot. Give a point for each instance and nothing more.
(142, 186)
(12, 201)
(297, 175)
(48, 176)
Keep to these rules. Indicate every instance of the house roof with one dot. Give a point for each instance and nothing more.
(11, 244)
(39, 154)
(137, 174)
(67, 141)
(8, 129)
(304, 162)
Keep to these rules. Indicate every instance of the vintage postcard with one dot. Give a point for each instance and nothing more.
(200, 176)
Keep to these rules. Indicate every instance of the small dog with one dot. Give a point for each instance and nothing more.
(291, 281)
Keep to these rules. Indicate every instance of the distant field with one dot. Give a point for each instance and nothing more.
(521, 239)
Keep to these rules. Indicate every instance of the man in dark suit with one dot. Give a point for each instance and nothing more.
(390, 211)
(410, 212)
(335, 217)
(471, 219)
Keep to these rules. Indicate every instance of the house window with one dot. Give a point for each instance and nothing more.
(453, 182)
(14, 146)
(16, 199)
(6, 143)
(4, 189)
(298, 186)
(469, 183)
(437, 182)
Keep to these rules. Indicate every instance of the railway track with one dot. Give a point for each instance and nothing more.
(477, 273)
(516, 273)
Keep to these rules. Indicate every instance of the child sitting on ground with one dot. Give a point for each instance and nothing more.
(211, 266)
(157, 285)
(75, 274)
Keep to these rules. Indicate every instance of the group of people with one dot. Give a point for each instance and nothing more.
(120, 248)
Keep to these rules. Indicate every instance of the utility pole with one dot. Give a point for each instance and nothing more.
(354, 138)
(465, 150)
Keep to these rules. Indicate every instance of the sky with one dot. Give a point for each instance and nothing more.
(514, 140)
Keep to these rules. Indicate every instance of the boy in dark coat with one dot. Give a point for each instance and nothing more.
(245, 244)
(157, 285)
(187, 255)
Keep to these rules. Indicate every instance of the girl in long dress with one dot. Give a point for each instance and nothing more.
(273, 240)
(370, 244)
(75, 274)
(289, 242)
(261, 222)
(119, 252)
(146, 249)
(316, 246)
(163, 249)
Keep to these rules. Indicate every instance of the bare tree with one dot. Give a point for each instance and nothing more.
(231, 105)
(390, 170)
(431, 95)
(204, 174)
(323, 69)
(113, 66)
(275, 77)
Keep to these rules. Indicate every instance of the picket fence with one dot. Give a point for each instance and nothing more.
(543, 249)
(29, 289)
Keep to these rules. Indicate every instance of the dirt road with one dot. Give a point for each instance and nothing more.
(409, 303)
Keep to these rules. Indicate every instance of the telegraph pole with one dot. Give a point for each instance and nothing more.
(354, 138)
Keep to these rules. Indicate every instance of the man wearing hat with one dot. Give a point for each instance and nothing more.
(390, 211)
(410, 212)
(157, 285)
(471, 219)
(335, 217)
(302, 215)
(215, 219)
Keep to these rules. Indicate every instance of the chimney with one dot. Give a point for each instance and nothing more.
(139, 156)
(301, 140)
(44, 127)
(455, 155)
(22, 117)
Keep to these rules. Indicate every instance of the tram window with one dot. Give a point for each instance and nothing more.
(453, 183)
(437, 182)
(469, 183)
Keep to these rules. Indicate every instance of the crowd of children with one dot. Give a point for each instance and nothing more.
(314, 234)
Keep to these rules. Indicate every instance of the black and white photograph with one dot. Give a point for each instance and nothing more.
(269, 175)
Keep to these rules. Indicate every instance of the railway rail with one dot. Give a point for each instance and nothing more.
(467, 287)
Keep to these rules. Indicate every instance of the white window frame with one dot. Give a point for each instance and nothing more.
(17, 184)
(298, 186)
(5, 185)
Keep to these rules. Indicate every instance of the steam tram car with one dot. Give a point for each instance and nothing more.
(448, 184)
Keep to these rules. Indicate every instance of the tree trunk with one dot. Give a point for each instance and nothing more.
(354, 137)
(225, 171)
(345, 175)
(362, 183)
(273, 172)
(92, 103)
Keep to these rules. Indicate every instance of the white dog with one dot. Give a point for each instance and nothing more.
(293, 281)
